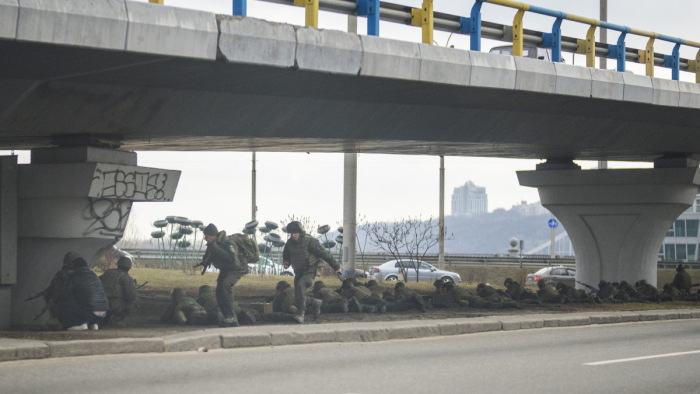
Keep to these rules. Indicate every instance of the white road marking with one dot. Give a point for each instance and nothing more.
(623, 360)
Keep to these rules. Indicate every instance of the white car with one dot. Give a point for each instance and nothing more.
(268, 267)
(392, 270)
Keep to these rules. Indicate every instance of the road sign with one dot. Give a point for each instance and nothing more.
(552, 223)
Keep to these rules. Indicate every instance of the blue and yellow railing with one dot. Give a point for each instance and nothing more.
(425, 18)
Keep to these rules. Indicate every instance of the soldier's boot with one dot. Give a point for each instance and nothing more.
(369, 309)
(230, 321)
(299, 318)
(316, 305)
(246, 317)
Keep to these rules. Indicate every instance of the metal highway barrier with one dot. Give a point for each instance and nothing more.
(428, 20)
(451, 260)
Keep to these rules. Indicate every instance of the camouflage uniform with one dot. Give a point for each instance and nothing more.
(184, 310)
(332, 302)
(222, 255)
(360, 298)
(682, 280)
(285, 297)
(405, 299)
(120, 289)
(305, 256)
(548, 293)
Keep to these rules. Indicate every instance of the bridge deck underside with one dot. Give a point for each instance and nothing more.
(165, 103)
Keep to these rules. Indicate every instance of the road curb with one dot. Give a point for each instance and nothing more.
(283, 335)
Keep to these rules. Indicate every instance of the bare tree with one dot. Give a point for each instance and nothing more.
(364, 228)
(410, 238)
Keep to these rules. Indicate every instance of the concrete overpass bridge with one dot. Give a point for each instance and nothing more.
(84, 83)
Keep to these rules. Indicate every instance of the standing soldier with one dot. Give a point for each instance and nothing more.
(120, 290)
(222, 254)
(304, 253)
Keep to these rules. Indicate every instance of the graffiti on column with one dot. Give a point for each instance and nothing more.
(133, 183)
(106, 216)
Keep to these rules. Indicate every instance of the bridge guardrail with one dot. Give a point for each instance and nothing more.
(428, 20)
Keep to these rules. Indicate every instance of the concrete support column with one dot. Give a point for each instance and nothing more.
(8, 235)
(74, 199)
(349, 211)
(616, 219)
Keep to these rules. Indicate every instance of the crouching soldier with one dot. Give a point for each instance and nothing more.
(185, 310)
(284, 301)
(120, 289)
(405, 299)
(360, 298)
(332, 302)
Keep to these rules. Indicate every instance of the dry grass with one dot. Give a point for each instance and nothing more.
(264, 285)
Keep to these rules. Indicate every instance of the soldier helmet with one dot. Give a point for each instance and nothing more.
(211, 229)
(480, 286)
(318, 285)
(124, 263)
(204, 289)
(507, 282)
(680, 267)
(348, 283)
(642, 282)
(560, 285)
(399, 285)
(624, 283)
(372, 282)
(282, 285)
(177, 293)
(295, 227)
(438, 284)
(448, 285)
(69, 258)
(541, 283)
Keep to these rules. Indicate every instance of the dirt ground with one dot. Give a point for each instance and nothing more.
(144, 322)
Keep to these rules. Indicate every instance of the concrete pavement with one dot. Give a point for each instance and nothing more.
(281, 335)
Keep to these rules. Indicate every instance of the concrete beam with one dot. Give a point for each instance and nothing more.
(573, 80)
(96, 24)
(444, 65)
(171, 31)
(638, 88)
(535, 75)
(390, 58)
(689, 94)
(607, 84)
(254, 41)
(328, 51)
(666, 92)
(9, 9)
(492, 71)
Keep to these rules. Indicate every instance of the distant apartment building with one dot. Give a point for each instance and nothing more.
(532, 209)
(469, 200)
(682, 239)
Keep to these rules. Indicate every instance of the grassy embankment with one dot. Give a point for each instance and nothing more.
(263, 285)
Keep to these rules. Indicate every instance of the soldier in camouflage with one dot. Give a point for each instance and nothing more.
(332, 302)
(120, 289)
(185, 310)
(304, 253)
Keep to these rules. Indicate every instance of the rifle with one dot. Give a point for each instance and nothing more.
(204, 264)
(141, 285)
(43, 310)
(40, 294)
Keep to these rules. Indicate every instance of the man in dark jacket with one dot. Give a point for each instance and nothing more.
(304, 253)
(83, 303)
(121, 292)
(682, 280)
(221, 253)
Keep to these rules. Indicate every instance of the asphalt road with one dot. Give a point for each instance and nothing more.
(649, 357)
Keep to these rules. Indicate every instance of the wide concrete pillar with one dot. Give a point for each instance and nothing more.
(74, 199)
(616, 219)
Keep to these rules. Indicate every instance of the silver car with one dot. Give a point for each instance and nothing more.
(392, 270)
(553, 275)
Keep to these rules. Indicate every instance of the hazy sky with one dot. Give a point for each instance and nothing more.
(216, 187)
